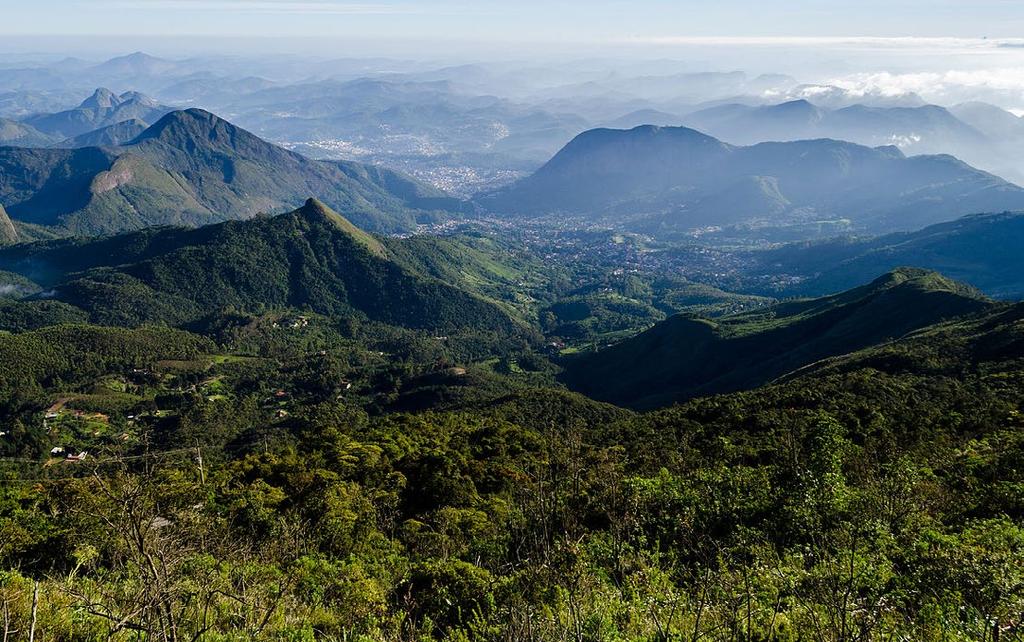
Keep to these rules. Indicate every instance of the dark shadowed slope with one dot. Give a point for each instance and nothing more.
(685, 357)
(984, 250)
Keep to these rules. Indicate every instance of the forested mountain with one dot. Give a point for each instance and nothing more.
(191, 168)
(983, 250)
(664, 179)
(684, 357)
(309, 259)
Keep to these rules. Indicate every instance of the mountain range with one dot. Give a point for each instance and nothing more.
(673, 179)
(914, 129)
(684, 357)
(191, 167)
(983, 135)
(102, 109)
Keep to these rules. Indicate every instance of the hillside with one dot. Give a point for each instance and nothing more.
(672, 179)
(110, 136)
(904, 456)
(983, 250)
(309, 259)
(193, 168)
(20, 134)
(684, 357)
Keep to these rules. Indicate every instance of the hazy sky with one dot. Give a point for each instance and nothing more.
(515, 20)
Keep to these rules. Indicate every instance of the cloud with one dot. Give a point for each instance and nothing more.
(1004, 86)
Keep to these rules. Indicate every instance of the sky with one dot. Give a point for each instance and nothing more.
(581, 21)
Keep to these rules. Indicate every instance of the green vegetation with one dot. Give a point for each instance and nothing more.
(289, 429)
(685, 356)
(877, 496)
(490, 267)
(308, 260)
(192, 168)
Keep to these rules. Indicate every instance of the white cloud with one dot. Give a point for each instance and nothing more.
(1003, 86)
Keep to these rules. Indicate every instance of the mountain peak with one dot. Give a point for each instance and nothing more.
(102, 98)
(316, 212)
(315, 208)
(595, 139)
(195, 124)
(136, 60)
(138, 97)
(799, 108)
(800, 103)
(923, 279)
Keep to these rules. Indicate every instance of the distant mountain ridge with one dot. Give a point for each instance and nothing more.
(13, 132)
(671, 179)
(908, 127)
(102, 109)
(193, 168)
(684, 357)
(983, 250)
(983, 135)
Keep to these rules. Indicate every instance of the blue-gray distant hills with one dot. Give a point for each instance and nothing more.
(102, 109)
(915, 129)
(193, 168)
(983, 250)
(980, 134)
(673, 179)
